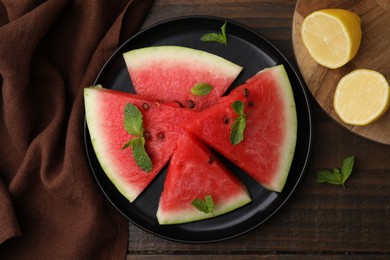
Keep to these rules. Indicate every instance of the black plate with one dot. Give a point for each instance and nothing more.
(246, 48)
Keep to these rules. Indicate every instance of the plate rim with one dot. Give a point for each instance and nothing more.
(303, 90)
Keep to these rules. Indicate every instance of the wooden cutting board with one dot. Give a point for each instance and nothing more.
(374, 53)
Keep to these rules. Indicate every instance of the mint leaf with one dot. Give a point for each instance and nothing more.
(239, 124)
(238, 107)
(332, 177)
(128, 144)
(209, 203)
(140, 155)
(347, 167)
(337, 177)
(206, 205)
(201, 89)
(133, 120)
(134, 125)
(237, 131)
(216, 37)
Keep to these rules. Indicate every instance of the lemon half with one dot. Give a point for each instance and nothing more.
(361, 97)
(332, 36)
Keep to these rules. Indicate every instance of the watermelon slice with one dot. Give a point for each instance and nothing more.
(169, 72)
(105, 119)
(195, 172)
(267, 149)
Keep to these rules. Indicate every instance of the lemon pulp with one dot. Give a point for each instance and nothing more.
(361, 97)
(332, 36)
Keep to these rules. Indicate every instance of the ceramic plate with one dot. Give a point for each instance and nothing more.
(246, 48)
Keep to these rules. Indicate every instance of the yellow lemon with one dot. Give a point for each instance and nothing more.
(332, 36)
(361, 97)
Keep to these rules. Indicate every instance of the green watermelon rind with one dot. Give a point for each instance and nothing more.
(288, 149)
(142, 57)
(130, 192)
(193, 214)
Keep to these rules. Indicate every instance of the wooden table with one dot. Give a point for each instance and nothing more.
(319, 219)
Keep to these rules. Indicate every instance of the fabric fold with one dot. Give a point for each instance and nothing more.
(9, 226)
(50, 50)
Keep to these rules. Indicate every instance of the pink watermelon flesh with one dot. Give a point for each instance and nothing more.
(269, 141)
(195, 172)
(105, 119)
(169, 72)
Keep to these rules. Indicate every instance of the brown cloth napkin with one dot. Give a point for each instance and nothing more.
(50, 205)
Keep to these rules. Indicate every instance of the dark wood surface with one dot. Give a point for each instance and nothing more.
(319, 219)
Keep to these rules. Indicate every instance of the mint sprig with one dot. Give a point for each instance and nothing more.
(239, 124)
(201, 89)
(133, 123)
(133, 120)
(206, 205)
(216, 37)
(140, 155)
(337, 177)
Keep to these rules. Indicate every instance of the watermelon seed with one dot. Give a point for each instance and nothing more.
(179, 103)
(191, 103)
(250, 104)
(246, 92)
(211, 160)
(145, 106)
(226, 120)
(147, 136)
(160, 135)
